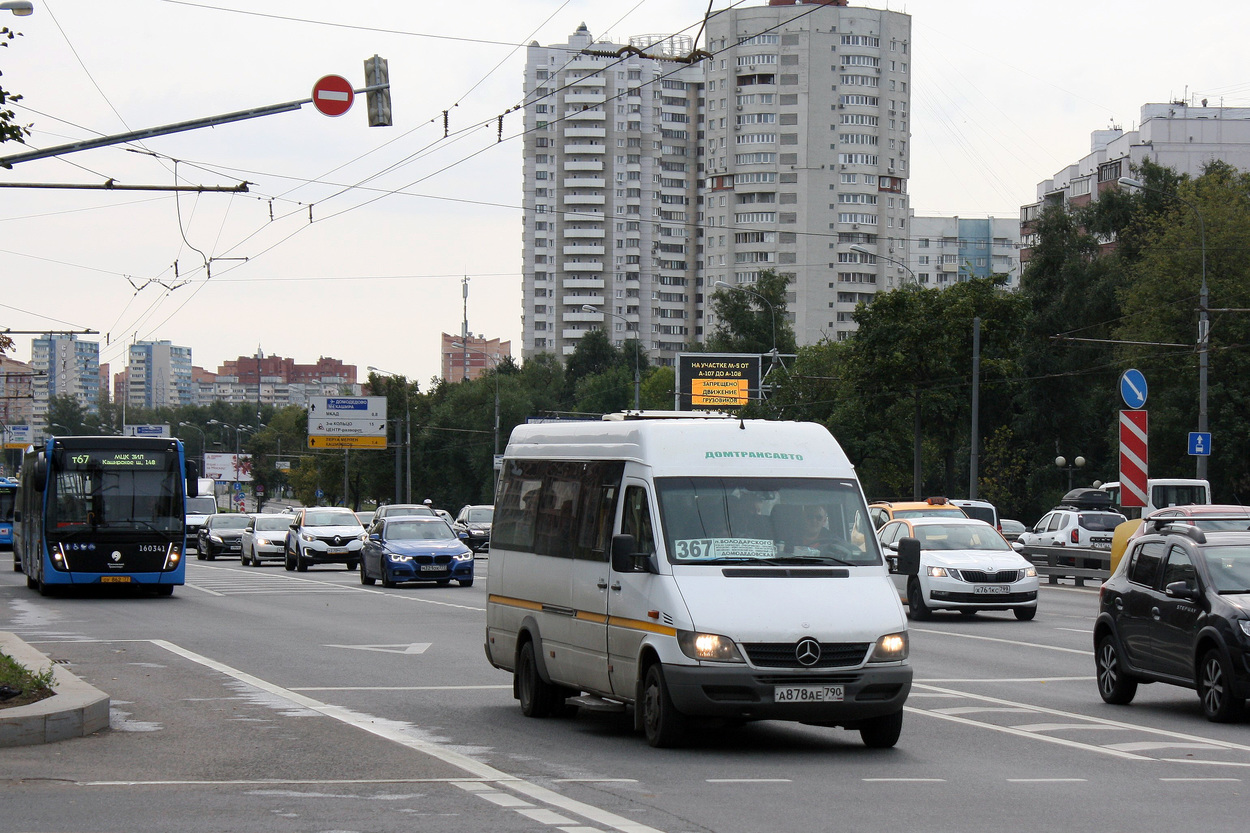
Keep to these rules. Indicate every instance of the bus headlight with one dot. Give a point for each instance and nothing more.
(890, 648)
(173, 555)
(708, 647)
(57, 552)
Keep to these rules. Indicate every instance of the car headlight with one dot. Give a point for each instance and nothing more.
(709, 647)
(463, 556)
(398, 559)
(216, 539)
(307, 536)
(890, 648)
(1245, 626)
(364, 536)
(937, 572)
(1030, 572)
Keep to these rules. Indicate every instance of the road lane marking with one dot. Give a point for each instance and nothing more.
(948, 681)
(1047, 780)
(749, 780)
(904, 780)
(1083, 651)
(389, 730)
(401, 688)
(397, 648)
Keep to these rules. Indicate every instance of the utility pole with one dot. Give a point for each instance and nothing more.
(464, 327)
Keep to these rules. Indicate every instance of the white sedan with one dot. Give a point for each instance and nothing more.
(965, 565)
(264, 539)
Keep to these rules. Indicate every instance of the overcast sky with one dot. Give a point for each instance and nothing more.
(352, 241)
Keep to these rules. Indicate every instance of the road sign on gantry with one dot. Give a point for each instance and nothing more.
(333, 95)
(1133, 458)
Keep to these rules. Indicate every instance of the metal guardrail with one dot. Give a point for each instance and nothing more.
(1077, 563)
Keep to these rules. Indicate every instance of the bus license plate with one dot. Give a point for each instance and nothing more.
(808, 693)
(114, 579)
(991, 590)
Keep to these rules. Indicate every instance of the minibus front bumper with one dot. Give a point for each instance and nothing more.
(748, 693)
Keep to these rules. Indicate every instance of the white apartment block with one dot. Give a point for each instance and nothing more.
(64, 365)
(941, 251)
(648, 181)
(611, 182)
(158, 375)
(806, 154)
(1176, 135)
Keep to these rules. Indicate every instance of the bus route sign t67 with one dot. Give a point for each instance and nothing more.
(347, 422)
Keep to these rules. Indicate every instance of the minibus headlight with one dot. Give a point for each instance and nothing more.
(890, 648)
(708, 647)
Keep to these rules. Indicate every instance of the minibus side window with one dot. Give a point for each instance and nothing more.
(637, 519)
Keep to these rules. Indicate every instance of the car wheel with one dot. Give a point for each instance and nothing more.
(662, 723)
(466, 582)
(301, 563)
(967, 612)
(386, 578)
(443, 582)
(1026, 614)
(199, 554)
(1215, 688)
(365, 578)
(882, 732)
(288, 563)
(538, 698)
(351, 565)
(1114, 684)
(916, 608)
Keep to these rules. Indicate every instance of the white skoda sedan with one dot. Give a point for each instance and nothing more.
(965, 565)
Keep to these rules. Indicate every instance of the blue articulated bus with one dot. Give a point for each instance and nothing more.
(103, 511)
(8, 494)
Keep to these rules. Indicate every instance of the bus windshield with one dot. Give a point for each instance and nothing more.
(770, 520)
(92, 490)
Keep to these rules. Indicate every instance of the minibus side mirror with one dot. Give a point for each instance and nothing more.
(624, 557)
(909, 556)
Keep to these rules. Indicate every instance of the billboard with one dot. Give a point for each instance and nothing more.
(228, 467)
(717, 381)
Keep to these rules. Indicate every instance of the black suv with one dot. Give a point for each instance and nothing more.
(1177, 610)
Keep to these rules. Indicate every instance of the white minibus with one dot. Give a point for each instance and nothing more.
(693, 569)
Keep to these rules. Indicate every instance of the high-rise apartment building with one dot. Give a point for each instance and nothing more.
(611, 185)
(65, 366)
(473, 357)
(1175, 135)
(945, 250)
(806, 153)
(158, 375)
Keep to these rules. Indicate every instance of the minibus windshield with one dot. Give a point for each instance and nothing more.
(771, 520)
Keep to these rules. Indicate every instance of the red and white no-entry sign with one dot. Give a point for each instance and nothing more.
(1133, 458)
(333, 95)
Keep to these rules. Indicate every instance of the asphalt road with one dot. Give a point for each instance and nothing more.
(261, 700)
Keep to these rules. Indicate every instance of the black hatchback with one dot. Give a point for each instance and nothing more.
(1177, 610)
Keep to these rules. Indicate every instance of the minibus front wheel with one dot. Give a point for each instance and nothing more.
(663, 724)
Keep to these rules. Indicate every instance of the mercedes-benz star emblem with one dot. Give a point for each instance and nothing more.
(807, 652)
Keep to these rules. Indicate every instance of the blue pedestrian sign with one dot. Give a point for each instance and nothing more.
(1133, 388)
(1199, 443)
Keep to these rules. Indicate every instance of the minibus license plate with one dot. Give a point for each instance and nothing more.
(991, 589)
(807, 693)
(114, 579)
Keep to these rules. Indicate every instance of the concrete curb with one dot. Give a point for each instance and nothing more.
(76, 710)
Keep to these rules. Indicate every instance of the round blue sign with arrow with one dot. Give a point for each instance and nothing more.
(1133, 388)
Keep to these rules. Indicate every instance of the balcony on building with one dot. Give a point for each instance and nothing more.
(587, 233)
(584, 149)
(585, 182)
(584, 164)
(581, 283)
(584, 132)
(583, 199)
(582, 266)
(585, 115)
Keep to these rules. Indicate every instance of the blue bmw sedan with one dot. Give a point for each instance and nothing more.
(415, 548)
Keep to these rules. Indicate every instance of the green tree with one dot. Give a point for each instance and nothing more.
(752, 319)
(10, 130)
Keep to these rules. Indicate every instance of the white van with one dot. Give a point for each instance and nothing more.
(693, 568)
(1161, 493)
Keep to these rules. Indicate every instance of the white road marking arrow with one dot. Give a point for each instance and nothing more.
(402, 648)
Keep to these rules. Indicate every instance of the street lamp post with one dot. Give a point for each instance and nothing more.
(407, 443)
(864, 251)
(1204, 315)
(495, 364)
(637, 348)
(203, 444)
(1077, 463)
(775, 358)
